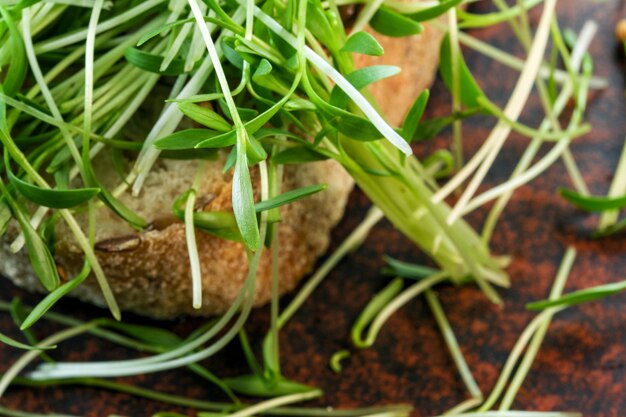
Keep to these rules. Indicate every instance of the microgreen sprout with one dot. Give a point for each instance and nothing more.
(297, 98)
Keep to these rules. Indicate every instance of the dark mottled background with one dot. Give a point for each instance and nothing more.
(581, 365)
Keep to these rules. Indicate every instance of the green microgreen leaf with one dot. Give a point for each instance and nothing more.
(40, 257)
(406, 269)
(16, 73)
(581, 296)
(18, 314)
(442, 161)
(435, 11)
(593, 203)
(263, 77)
(255, 151)
(288, 197)
(376, 304)
(335, 360)
(243, 202)
(299, 155)
(5, 217)
(363, 43)
(229, 138)
(413, 117)
(152, 63)
(389, 23)
(214, 220)
(150, 335)
(317, 21)
(114, 203)
(204, 116)
(19, 345)
(611, 229)
(430, 128)
(360, 79)
(50, 300)
(232, 55)
(470, 91)
(232, 26)
(256, 386)
(184, 139)
(52, 197)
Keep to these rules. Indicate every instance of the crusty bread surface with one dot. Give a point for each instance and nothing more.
(149, 271)
(418, 58)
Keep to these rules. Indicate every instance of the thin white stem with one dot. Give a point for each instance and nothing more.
(398, 302)
(276, 402)
(512, 111)
(530, 152)
(174, 48)
(535, 344)
(353, 241)
(358, 99)
(81, 35)
(513, 62)
(192, 250)
(45, 91)
(521, 179)
(494, 142)
(216, 60)
(170, 118)
(29, 356)
(162, 362)
(574, 172)
(455, 52)
(453, 345)
(366, 15)
(462, 407)
(617, 189)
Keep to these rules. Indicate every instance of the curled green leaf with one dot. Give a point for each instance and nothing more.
(406, 269)
(53, 198)
(469, 91)
(256, 386)
(579, 297)
(363, 43)
(390, 23)
(19, 345)
(593, 203)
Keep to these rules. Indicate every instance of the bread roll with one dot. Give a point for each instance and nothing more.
(149, 272)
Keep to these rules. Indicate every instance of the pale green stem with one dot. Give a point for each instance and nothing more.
(54, 44)
(618, 189)
(353, 241)
(366, 14)
(529, 331)
(512, 110)
(535, 344)
(530, 152)
(276, 402)
(29, 356)
(398, 302)
(516, 63)
(463, 407)
(455, 53)
(453, 345)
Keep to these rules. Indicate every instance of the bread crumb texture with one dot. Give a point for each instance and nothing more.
(149, 271)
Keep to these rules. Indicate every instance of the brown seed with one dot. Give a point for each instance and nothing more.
(620, 30)
(119, 244)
